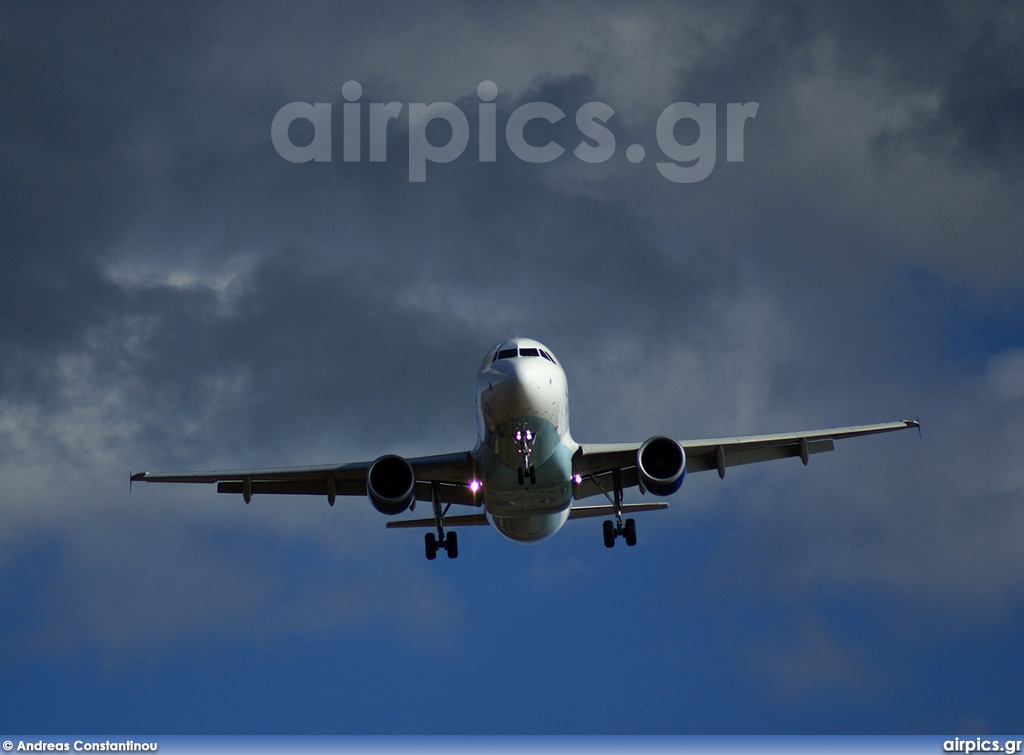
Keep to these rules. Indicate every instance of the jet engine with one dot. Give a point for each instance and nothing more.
(661, 463)
(391, 484)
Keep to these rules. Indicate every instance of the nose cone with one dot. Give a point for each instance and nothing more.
(519, 380)
(514, 391)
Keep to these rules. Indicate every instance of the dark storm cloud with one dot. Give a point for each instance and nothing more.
(964, 55)
(982, 112)
(69, 189)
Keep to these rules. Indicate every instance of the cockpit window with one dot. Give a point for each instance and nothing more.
(528, 351)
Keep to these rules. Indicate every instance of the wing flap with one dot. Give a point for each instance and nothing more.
(447, 493)
(736, 456)
(280, 474)
(586, 512)
(295, 487)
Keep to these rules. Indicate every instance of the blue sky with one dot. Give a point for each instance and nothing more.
(177, 295)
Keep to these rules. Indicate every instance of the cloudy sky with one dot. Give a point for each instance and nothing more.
(174, 294)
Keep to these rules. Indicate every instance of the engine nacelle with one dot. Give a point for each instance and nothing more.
(661, 462)
(391, 484)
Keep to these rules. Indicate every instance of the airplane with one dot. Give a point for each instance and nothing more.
(526, 473)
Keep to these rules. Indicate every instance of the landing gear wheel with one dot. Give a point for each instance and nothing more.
(609, 534)
(451, 544)
(431, 543)
(630, 532)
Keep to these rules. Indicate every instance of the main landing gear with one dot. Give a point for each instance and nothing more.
(450, 542)
(612, 530)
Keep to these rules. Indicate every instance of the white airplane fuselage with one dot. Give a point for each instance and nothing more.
(524, 450)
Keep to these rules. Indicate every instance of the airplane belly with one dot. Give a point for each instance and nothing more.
(528, 507)
(529, 528)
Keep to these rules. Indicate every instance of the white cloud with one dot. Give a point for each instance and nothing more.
(808, 660)
(1006, 375)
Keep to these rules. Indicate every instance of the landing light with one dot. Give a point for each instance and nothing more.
(577, 479)
(474, 485)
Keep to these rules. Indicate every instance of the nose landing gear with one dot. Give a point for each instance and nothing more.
(524, 440)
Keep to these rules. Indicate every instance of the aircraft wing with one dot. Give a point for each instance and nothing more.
(450, 472)
(595, 463)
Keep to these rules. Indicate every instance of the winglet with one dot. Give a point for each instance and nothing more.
(913, 423)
